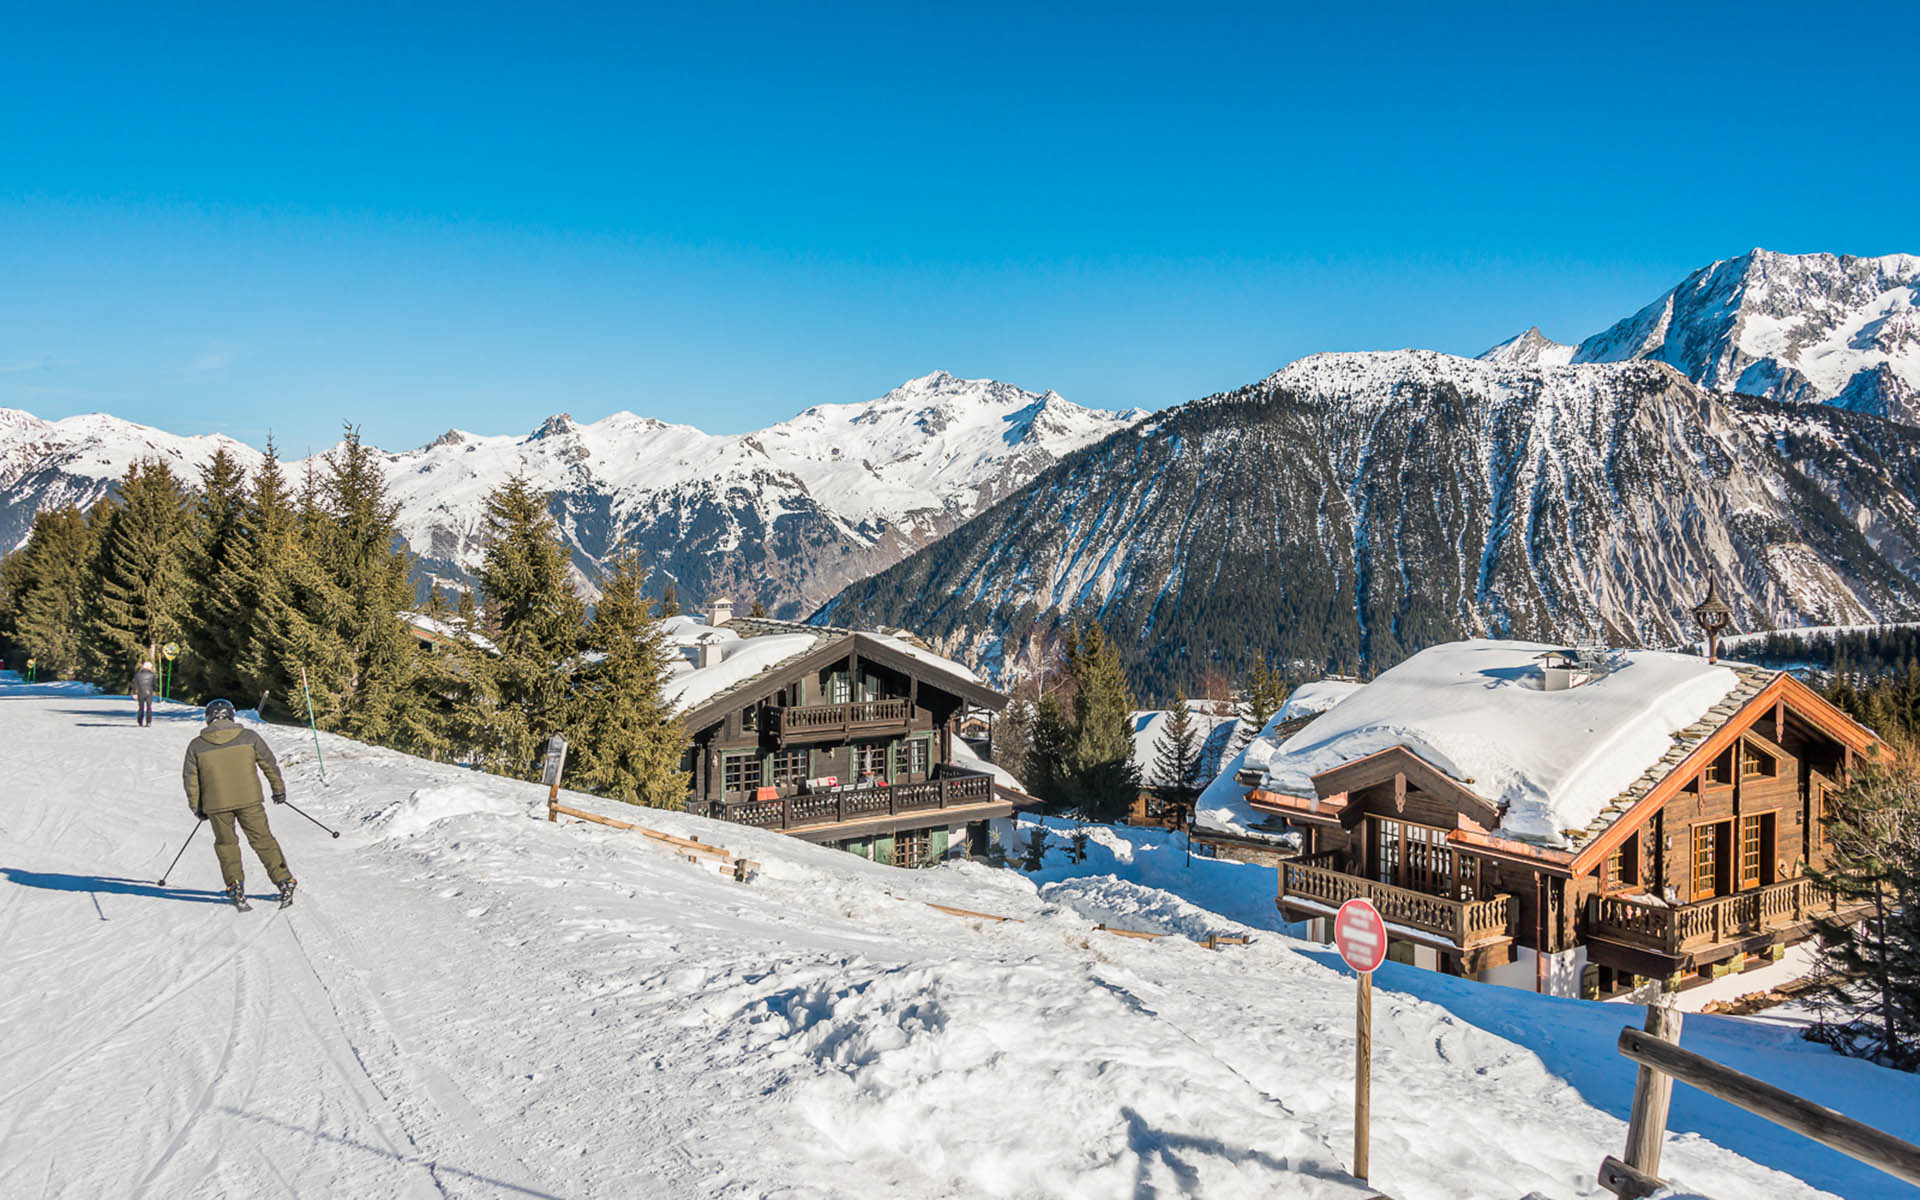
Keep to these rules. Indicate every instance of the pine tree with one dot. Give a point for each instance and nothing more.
(375, 697)
(44, 593)
(759, 609)
(1013, 737)
(1105, 781)
(669, 601)
(628, 745)
(1262, 693)
(138, 596)
(217, 612)
(531, 612)
(1176, 765)
(280, 584)
(1869, 969)
(1048, 773)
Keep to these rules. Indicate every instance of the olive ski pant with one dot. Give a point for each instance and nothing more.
(253, 822)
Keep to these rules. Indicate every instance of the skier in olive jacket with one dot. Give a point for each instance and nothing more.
(222, 788)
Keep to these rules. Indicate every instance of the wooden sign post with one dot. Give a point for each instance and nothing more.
(1361, 935)
(550, 772)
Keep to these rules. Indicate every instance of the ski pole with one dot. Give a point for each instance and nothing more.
(309, 816)
(183, 850)
(316, 731)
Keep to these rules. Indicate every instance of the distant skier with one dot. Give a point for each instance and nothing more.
(143, 692)
(222, 788)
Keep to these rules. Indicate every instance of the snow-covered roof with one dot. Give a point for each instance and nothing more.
(744, 652)
(1310, 699)
(1476, 711)
(1563, 765)
(1150, 729)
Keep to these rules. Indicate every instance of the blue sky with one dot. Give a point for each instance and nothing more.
(260, 218)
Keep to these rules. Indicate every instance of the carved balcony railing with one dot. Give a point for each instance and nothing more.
(1462, 922)
(819, 722)
(954, 789)
(1686, 928)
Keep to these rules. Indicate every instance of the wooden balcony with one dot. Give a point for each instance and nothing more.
(1706, 924)
(836, 722)
(1465, 923)
(811, 810)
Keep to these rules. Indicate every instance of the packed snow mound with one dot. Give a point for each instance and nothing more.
(1476, 711)
(1128, 905)
(427, 807)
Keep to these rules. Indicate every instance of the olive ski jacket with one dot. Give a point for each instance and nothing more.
(219, 771)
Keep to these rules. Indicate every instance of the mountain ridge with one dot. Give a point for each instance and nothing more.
(1354, 507)
(785, 515)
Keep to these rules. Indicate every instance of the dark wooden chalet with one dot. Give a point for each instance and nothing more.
(847, 739)
(1695, 869)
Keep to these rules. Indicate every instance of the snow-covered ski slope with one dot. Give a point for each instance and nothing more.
(468, 1001)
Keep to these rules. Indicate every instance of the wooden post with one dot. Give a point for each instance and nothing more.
(1362, 1075)
(1652, 1092)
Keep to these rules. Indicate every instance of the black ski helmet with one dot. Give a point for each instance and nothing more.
(217, 709)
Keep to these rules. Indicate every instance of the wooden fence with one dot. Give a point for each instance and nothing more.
(1662, 1061)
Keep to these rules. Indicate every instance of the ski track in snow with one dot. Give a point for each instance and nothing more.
(486, 1004)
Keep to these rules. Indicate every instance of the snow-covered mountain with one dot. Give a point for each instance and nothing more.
(786, 515)
(1530, 349)
(47, 464)
(1353, 508)
(1804, 328)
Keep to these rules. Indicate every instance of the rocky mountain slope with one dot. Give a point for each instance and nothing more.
(1805, 328)
(786, 515)
(1354, 507)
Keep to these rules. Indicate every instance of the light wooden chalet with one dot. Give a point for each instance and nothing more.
(844, 738)
(1695, 866)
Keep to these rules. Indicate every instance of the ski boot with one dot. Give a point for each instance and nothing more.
(238, 894)
(286, 891)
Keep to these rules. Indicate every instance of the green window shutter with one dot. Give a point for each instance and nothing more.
(937, 841)
(883, 850)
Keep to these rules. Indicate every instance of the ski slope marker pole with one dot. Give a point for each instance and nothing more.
(309, 816)
(316, 732)
(183, 850)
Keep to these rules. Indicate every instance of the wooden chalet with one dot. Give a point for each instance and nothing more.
(845, 738)
(1646, 817)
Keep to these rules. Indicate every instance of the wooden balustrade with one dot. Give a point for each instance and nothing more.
(1464, 922)
(954, 790)
(1688, 927)
(824, 720)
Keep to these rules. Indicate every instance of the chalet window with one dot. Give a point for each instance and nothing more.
(917, 756)
(741, 772)
(789, 767)
(1721, 769)
(750, 718)
(1623, 865)
(911, 848)
(1412, 856)
(1704, 860)
(1755, 764)
(869, 758)
(1750, 852)
(838, 690)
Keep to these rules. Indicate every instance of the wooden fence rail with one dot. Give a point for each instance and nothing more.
(1661, 1062)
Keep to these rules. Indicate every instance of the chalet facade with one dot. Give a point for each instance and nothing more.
(845, 738)
(1521, 816)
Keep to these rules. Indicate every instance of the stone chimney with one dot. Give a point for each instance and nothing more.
(719, 612)
(707, 646)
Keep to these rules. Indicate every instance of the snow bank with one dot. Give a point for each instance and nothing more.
(429, 806)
